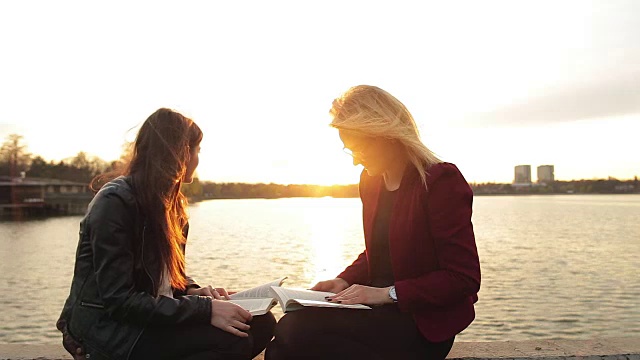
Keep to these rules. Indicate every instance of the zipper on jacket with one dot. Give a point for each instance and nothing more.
(134, 344)
(153, 285)
(91, 305)
(144, 266)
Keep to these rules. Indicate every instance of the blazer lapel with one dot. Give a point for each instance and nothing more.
(370, 208)
(399, 241)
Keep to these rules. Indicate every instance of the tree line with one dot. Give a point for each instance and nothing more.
(213, 190)
(597, 186)
(15, 159)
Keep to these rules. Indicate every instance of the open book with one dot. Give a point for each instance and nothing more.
(260, 299)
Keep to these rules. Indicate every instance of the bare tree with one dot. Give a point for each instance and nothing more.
(14, 153)
(80, 161)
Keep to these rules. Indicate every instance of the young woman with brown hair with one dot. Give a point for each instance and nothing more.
(130, 297)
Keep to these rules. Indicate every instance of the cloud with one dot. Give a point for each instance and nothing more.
(607, 95)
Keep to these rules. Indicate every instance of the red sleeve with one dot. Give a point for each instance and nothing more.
(358, 271)
(448, 208)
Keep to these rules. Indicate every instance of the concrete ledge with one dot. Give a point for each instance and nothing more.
(609, 348)
(626, 348)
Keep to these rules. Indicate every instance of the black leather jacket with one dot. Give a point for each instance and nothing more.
(112, 293)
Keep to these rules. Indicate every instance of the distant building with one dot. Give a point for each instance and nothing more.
(546, 174)
(23, 195)
(522, 175)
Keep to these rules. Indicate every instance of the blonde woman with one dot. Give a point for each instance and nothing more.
(420, 269)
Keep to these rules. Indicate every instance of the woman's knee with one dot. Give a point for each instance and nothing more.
(298, 328)
(235, 347)
(264, 323)
(262, 328)
(297, 336)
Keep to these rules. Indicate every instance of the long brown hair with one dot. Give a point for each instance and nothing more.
(157, 166)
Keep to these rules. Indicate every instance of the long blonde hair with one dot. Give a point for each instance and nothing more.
(367, 110)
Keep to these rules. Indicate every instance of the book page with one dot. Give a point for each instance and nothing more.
(293, 299)
(262, 291)
(256, 306)
(303, 294)
(325, 303)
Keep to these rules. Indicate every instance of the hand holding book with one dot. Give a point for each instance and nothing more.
(295, 299)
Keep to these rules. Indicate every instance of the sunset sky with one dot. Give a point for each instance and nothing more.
(492, 84)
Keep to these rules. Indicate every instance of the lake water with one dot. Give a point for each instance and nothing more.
(554, 267)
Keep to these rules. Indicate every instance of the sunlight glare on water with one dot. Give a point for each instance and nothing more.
(553, 267)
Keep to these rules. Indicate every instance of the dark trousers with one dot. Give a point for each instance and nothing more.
(323, 333)
(200, 342)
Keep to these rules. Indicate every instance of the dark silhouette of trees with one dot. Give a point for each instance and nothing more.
(80, 168)
(212, 190)
(14, 157)
(194, 190)
(598, 186)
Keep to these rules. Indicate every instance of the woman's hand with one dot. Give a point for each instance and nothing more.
(360, 294)
(335, 285)
(230, 317)
(216, 293)
(68, 342)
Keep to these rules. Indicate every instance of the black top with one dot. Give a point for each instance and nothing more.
(379, 257)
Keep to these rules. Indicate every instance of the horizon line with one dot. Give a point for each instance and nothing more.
(609, 178)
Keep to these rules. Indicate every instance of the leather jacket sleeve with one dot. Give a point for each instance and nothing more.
(112, 230)
(191, 284)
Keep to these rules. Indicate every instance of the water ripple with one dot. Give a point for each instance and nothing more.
(555, 267)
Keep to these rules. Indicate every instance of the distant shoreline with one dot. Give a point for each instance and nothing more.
(191, 201)
(549, 194)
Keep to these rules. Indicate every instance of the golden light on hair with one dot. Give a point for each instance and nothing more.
(370, 111)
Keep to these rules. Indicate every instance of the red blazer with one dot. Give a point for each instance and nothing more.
(433, 251)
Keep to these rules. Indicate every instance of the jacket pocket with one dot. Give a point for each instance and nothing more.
(91, 305)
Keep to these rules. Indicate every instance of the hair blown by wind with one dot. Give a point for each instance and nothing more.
(157, 164)
(370, 111)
